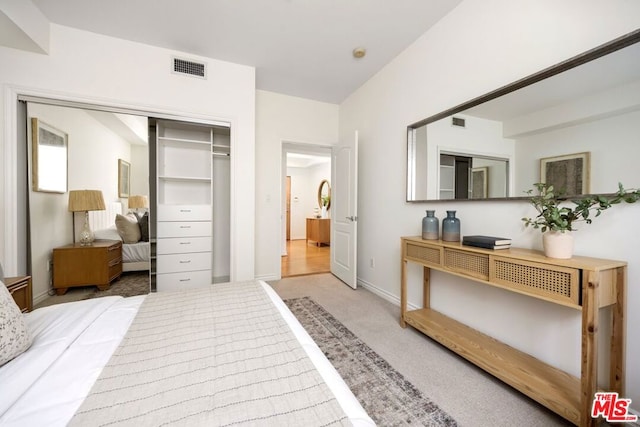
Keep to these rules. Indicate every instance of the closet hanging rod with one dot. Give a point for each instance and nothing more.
(215, 153)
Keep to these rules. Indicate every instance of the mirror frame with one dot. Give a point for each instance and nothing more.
(583, 58)
(322, 183)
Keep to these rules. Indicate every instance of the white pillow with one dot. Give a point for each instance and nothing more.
(15, 338)
(128, 228)
(110, 233)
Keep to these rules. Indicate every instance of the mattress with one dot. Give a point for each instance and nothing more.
(135, 252)
(47, 384)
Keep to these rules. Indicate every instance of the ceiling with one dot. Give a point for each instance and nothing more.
(298, 47)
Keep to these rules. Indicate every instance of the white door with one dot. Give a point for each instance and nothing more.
(344, 204)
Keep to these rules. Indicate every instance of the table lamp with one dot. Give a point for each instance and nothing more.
(138, 202)
(85, 201)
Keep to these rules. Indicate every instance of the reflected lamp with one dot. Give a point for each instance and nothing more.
(85, 201)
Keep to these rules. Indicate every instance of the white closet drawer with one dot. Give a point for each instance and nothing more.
(184, 212)
(183, 262)
(184, 229)
(183, 245)
(181, 281)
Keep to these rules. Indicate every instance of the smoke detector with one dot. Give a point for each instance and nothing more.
(359, 52)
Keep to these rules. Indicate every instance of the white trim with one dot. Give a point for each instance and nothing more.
(10, 183)
(15, 93)
(385, 294)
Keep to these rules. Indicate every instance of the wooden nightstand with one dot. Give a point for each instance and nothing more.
(75, 265)
(20, 289)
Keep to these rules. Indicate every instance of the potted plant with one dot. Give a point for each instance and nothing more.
(556, 220)
(325, 205)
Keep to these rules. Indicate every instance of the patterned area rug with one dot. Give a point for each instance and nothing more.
(130, 284)
(388, 398)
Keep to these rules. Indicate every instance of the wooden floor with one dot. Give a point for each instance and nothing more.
(305, 258)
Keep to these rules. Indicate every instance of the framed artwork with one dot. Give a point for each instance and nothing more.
(48, 157)
(569, 174)
(124, 173)
(479, 182)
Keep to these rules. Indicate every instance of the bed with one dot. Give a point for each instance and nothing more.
(135, 255)
(136, 361)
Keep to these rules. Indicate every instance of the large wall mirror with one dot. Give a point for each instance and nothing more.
(576, 124)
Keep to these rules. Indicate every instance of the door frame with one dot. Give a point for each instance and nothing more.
(287, 146)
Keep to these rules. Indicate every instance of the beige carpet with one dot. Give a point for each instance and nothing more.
(383, 392)
(469, 395)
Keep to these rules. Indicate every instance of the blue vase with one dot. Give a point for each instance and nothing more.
(430, 227)
(451, 227)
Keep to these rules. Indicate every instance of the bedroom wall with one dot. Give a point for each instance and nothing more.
(478, 47)
(281, 119)
(304, 187)
(139, 170)
(132, 75)
(93, 153)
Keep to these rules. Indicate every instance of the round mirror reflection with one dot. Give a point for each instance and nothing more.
(324, 194)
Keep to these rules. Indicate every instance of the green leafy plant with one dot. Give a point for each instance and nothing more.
(552, 215)
(326, 200)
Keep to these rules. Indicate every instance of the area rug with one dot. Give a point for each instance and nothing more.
(388, 398)
(130, 284)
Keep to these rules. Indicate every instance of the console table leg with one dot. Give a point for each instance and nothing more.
(403, 291)
(426, 290)
(616, 377)
(589, 369)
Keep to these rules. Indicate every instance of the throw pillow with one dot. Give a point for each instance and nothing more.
(143, 222)
(15, 338)
(128, 228)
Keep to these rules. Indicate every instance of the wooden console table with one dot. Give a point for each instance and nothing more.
(319, 230)
(581, 283)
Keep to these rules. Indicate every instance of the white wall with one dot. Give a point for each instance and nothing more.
(83, 66)
(304, 195)
(139, 170)
(281, 119)
(93, 153)
(480, 46)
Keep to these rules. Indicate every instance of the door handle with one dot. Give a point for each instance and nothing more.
(352, 218)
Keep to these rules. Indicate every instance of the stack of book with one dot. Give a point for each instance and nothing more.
(487, 242)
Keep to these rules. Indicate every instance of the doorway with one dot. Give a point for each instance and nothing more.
(305, 169)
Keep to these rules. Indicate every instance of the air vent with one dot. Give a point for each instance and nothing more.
(196, 69)
(457, 121)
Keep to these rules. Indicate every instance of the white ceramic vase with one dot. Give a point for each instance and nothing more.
(324, 211)
(557, 244)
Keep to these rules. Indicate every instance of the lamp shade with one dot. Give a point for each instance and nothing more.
(85, 200)
(136, 202)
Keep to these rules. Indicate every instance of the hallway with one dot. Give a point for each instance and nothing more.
(305, 258)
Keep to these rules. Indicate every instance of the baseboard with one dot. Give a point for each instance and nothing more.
(37, 299)
(384, 294)
(635, 423)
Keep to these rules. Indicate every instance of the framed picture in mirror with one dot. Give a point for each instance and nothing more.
(479, 180)
(124, 171)
(569, 174)
(49, 157)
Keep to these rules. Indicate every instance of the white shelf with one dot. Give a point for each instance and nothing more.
(167, 140)
(184, 178)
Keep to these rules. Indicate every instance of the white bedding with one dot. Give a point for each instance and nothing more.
(135, 252)
(73, 341)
